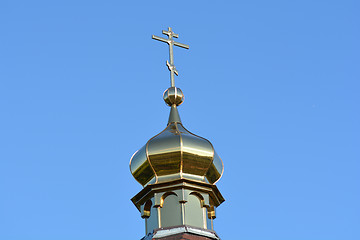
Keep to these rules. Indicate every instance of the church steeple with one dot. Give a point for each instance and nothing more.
(178, 170)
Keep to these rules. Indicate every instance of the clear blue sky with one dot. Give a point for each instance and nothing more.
(273, 84)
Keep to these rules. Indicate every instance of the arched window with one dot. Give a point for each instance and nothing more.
(194, 211)
(170, 210)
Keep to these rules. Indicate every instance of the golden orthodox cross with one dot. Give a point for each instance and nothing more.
(171, 43)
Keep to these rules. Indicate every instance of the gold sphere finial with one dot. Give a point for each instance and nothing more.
(173, 95)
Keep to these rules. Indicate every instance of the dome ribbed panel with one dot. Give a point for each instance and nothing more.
(140, 167)
(215, 170)
(197, 153)
(164, 151)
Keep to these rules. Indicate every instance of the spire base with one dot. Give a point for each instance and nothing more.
(174, 116)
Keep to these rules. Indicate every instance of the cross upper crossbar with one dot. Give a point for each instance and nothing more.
(171, 43)
(167, 41)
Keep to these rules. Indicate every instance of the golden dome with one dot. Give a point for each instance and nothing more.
(176, 153)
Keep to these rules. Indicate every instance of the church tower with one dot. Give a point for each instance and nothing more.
(178, 171)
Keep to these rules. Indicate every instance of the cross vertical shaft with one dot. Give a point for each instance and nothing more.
(171, 43)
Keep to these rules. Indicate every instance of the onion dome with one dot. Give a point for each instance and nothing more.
(176, 153)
